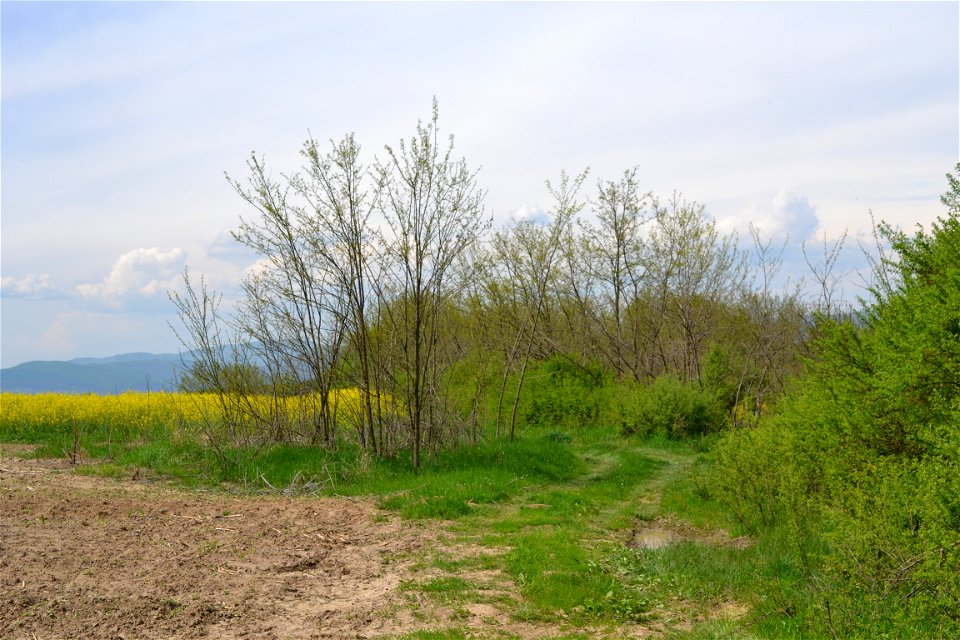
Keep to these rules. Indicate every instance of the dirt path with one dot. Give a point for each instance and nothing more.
(96, 558)
(653, 530)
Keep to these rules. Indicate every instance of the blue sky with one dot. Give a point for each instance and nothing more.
(119, 119)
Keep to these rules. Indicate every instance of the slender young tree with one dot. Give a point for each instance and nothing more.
(295, 308)
(217, 362)
(616, 248)
(434, 212)
(694, 271)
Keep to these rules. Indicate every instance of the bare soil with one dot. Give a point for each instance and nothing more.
(664, 531)
(84, 557)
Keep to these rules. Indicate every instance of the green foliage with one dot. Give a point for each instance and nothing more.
(749, 481)
(667, 406)
(862, 463)
(564, 395)
(561, 393)
(234, 377)
(722, 375)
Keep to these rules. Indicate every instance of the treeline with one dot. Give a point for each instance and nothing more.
(389, 278)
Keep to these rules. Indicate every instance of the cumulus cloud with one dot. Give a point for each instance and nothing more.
(29, 286)
(786, 214)
(791, 214)
(257, 267)
(141, 273)
(57, 338)
(531, 213)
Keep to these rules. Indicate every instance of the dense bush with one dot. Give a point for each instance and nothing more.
(667, 406)
(862, 462)
(565, 394)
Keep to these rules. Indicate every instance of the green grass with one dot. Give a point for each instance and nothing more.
(449, 590)
(557, 531)
(565, 553)
(553, 510)
(452, 484)
(455, 484)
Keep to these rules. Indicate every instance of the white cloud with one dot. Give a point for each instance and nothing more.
(787, 214)
(261, 265)
(533, 213)
(30, 285)
(791, 214)
(141, 273)
(225, 247)
(58, 337)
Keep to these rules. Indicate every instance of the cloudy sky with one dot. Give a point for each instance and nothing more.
(119, 120)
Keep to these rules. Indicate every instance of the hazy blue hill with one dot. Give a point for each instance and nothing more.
(128, 358)
(116, 374)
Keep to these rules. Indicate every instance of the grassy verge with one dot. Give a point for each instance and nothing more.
(564, 549)
(539, 528)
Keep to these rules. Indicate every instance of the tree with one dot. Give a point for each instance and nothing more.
(693, 271)
(293, 311)
(861, 461)
(434, 212)
(219, 363)
(616, 250)
(340, 202)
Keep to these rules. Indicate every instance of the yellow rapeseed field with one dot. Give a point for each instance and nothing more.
(136, 412)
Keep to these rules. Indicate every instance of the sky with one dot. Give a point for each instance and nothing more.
(119, 121)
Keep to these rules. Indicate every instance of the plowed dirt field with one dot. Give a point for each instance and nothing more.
(84, 557)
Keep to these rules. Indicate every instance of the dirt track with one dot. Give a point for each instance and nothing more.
(97, 558)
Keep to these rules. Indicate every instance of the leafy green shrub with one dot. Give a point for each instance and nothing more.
(750, 479)
(563, 393)
(667, 406)
(723, 374)
(862, 462)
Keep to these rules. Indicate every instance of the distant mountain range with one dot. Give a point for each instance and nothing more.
(116, 374)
